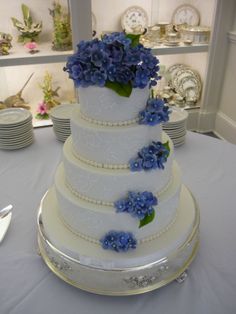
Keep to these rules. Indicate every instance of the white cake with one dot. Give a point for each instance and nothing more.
(95, 173)
(80, 213)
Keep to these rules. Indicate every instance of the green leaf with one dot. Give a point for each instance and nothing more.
(121, 89)
(25, 12)
(15, 22)
(167, 146)
(147, 219)
(134, 39)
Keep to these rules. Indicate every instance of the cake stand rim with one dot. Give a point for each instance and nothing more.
(137, 291)
(192, 234)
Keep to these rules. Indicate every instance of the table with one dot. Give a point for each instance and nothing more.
(28, 286)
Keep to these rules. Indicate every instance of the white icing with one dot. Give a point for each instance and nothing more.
(94, 220)
(91, 254)
(110, 185)
(104, 203)
(101, 103)
(110, 145)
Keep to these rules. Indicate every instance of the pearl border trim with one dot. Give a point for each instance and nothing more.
(98, 164)
(108, 123)
(97, 242)
(109, 204)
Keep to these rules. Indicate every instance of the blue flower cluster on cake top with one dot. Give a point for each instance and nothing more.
(156, 112)
(151, 157)
(117, 61)
(118, 241)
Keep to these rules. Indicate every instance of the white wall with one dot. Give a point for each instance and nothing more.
(225, 124)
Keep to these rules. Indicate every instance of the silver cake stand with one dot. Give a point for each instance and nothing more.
(122, 281)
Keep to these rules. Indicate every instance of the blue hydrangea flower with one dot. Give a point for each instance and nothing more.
(150, 157)
(98, 78)
(135, 164)
(156, 112)
(118, 241)
(138, 204)
(123, 75)
(112, 59)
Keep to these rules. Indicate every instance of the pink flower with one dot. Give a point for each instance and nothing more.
(31, 45)
(42, 108)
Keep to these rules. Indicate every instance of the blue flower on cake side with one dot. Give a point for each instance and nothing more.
(151, 157)
(139, 205)
(156, 112)
(118, 241)
(117, 61)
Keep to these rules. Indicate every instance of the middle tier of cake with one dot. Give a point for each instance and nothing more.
(110, 143)
(86, 196)
(101, 184)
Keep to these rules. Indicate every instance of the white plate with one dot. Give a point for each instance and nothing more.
(61, 126)
(186, 13)
(179, 144)
(61, 120)
(62, 112)
(62, 138)
(177, 115)
(16, 139)
(18, 146)
(181, 74)
(177, 134)
(190, 83)
(14, 116)
(178, 137)
(175, 125)
(170, 72)
(134, 20)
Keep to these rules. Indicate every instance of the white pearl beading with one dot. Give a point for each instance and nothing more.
(109, 123)
(110, 204)
(98, 164)
(97, 242)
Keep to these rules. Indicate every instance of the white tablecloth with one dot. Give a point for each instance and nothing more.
(28, 286)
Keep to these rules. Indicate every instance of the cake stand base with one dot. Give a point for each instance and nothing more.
(138, 279)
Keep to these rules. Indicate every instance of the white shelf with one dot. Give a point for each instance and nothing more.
(20, 56)
(182, 48)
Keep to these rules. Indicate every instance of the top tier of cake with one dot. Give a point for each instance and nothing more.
(104, 105)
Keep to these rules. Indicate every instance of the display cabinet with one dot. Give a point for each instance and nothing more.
(104, 16)
(19, 64)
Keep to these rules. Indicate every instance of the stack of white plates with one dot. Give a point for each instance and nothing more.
(16, 130)
(60, 116)
(176, 126)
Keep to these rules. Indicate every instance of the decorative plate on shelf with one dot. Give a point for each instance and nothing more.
(186, 14)
(190, 84)
(183, 73)
(172, 70)
(134, 20)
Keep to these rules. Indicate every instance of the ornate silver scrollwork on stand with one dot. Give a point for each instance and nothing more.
(182, 277)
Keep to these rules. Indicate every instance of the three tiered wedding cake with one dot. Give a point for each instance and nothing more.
(118, 219)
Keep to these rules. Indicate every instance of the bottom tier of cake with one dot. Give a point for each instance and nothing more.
(89, 267)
